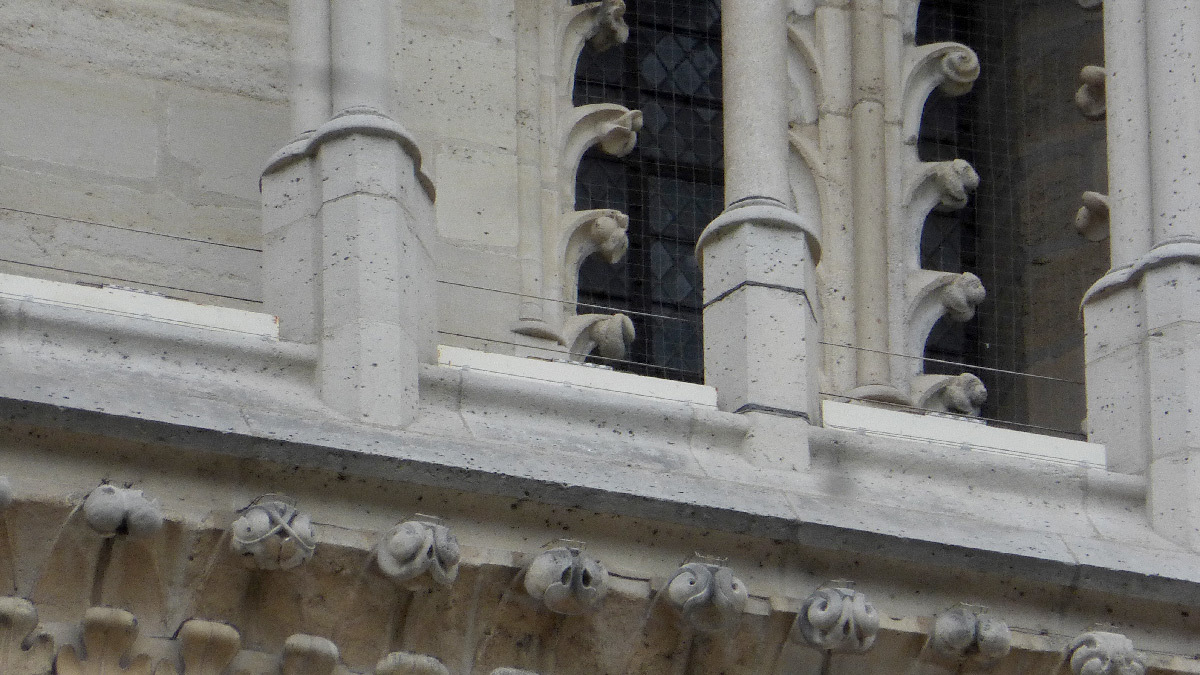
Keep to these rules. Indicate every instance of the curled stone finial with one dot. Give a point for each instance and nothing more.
(962, 634)
(610, 27)
(619, 136)
(612, 335)
(609, 234)
(1092, 219)
(962, 295)
(964, 394)
(273, 535)
(960, 69)
(956, 180)
(838, 619)
(1090, 97)
(110, 510)
(1100, 653)
(708, 596)
(414, 547)
(567, 580)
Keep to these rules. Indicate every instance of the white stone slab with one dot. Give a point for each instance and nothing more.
(138, 305)
(577, 374)
(962, 433)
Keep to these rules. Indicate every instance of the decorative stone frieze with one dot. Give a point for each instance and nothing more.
(415, 547)
(1102, 653)
(1090, 97)
(837, 619)
(108, 634)
(308, 655)
(273, 535)
(708, 597)
(206, 648)
(23, 651)
(110, 510)
(567, 580)
(404, 663)
(962, 634)
(1093, 220)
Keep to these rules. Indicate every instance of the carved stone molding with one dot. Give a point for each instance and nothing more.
(838, 619)
(610, 335)
(708, 597)
(110, 510)
(107, 636)
(962, 634)
(404, 663)
(415, 547)
(309, 655)
(22, 650)
(206, 648)
(1090, 97)
(567, 580)
(962, 394)
(1093, 218)
(273, 535)
(1101, 653)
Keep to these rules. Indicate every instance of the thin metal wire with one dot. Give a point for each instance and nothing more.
(923, 411)
(566, 302)
(953, 363)
(132, 229)
(129, 281)
(563, 353)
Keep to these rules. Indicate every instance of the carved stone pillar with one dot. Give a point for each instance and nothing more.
(758, 256)
(348, 219)
(1142, 323)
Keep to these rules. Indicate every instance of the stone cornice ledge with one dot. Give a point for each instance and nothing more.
(512, 469)
(1171, 251)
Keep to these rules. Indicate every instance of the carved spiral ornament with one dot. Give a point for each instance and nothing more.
(1100, 653)
(960, 634)
(567, 580)
(960, 69)
(709, 597)
(273, 535)
(838, 620)
(414, 547)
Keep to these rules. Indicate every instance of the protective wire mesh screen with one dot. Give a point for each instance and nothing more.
(1035, 154)
(670, 186)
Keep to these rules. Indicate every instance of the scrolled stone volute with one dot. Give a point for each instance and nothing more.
(110, 510)
(1090, 98)
(414, 547)
(1101, 653)
(1093, 218)
(567, 580)
(708, 597)
(838, 620)
(956, 180)
(273, 535)
(962, 296)
(960, 68)
(610, 27)
(960, 634)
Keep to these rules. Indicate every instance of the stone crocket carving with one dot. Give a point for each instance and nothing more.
(838, 619)
(1101, 653)
(962, 634)
(414, 547)
(708, 597)
(110, 510)
(567, 580)
(1090, 97)
(273, 535)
